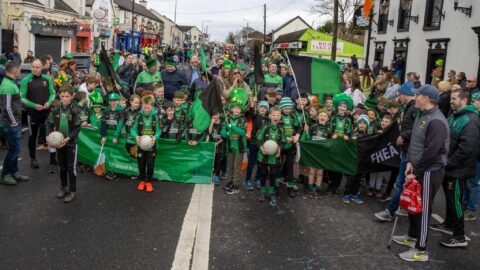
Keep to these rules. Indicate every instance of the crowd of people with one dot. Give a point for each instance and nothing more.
(439, 128)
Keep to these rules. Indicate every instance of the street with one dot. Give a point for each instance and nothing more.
(113, 226)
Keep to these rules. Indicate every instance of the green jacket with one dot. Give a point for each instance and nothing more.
(146, 124)
(274, 133)
(95, 120)
(112, 120)
(130, 117)
(290, 127)
(26, 96)
(145, 78)
(65, 120)
(341, 125)
(10, 102)
(235, 131)
(276, 79)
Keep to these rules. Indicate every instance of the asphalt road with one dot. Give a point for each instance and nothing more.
(113, 226)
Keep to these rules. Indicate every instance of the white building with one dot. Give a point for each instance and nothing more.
(171, 33)
(191, 35)
(293, 25)
(425, 31)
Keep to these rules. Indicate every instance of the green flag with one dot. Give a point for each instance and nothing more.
(208, 103)
(333, 155)
(316, 75)
(174, 162)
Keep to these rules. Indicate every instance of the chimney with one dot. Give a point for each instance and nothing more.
(143, 3)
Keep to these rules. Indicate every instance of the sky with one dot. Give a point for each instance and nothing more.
(222, 16)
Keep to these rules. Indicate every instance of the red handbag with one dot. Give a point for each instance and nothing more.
(411, 197)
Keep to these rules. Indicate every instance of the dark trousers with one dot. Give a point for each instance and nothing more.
(67, 160)
(272, 171)
(418, 223)
(13, 135)
(252, 159)
(35, 121)
(218, 163)
(392, 180)
(289, 160)
(146, 163)
(335, 179)
(353, 184)
(453, 188)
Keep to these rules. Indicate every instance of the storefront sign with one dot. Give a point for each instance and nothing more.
(288, 45)
(57, 31)
(319, 45)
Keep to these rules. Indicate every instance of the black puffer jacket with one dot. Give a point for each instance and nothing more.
(464, 147)
(128, 73)
(406, 125)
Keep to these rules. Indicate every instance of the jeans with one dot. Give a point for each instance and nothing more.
(252, 159)
(13, 135)
(393, 206)
(472, 191)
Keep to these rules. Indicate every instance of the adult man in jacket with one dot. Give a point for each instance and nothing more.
(427, 158)
(11, 117)
(462, 158)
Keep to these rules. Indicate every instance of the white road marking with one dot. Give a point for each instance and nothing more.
(439, 219)
(195, 230)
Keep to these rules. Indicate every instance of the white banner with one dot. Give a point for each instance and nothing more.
(319, 45)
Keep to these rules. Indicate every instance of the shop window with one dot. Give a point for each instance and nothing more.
(433, 15)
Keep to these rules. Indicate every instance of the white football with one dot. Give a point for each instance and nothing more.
(146, 142)
(271, 147)
(55, 138)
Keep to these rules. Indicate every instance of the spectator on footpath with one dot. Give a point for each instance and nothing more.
(11, 118)
(427, 158)
(462, 158)
(472, 189)
(29, 59)
(471, 85)
(407, 98)
(15, 56)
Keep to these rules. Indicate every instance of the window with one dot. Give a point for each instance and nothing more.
(383, 17)
(404, 11)
(433, 15)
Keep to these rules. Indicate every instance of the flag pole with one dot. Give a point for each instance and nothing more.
(298, 91)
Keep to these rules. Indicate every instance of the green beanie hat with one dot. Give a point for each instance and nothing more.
(113, 97)
(169, 60)
(151, 62)
(286, 103)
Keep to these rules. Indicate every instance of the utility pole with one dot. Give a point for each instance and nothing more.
(335, 30)
(369, 37)
(264, 27)
(133, 28)
(1, 29)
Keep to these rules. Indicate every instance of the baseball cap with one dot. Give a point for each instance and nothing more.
(428, 91)
(406, 89)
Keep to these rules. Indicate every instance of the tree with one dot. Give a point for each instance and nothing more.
(345, 12)
(327, 27)
(231, 38)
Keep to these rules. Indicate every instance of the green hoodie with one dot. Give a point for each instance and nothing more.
(146, 125)
(235, 131)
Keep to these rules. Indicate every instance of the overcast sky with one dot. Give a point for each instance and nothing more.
(225, 16)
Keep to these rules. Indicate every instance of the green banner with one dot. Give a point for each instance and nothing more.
(174, 162)
(333, 155)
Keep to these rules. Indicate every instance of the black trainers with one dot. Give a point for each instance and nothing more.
(34, 163)
(441, 228)
(454, 243)
(291, 192)
(52, 168)
(232, 190)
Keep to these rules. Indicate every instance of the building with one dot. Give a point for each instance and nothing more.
(46, 26)
(102, 14)
(309, 42)
(148, 29)
(171, 33)
(423, 32)
(293, 25)
(191, 35)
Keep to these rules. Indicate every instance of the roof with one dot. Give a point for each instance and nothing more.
(139, 9)
(33, 2)
(184, 28)
(60, 5)
(294, 36)
(291, 20)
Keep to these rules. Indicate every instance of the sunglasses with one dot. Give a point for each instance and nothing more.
(235, 72)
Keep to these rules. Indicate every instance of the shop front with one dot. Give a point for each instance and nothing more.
(50, 37)
(123, 41)
(82, 42)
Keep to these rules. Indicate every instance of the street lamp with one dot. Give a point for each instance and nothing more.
(465, 10)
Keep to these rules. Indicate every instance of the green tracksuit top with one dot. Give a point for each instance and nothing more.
(235, 132)
(274, 133)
